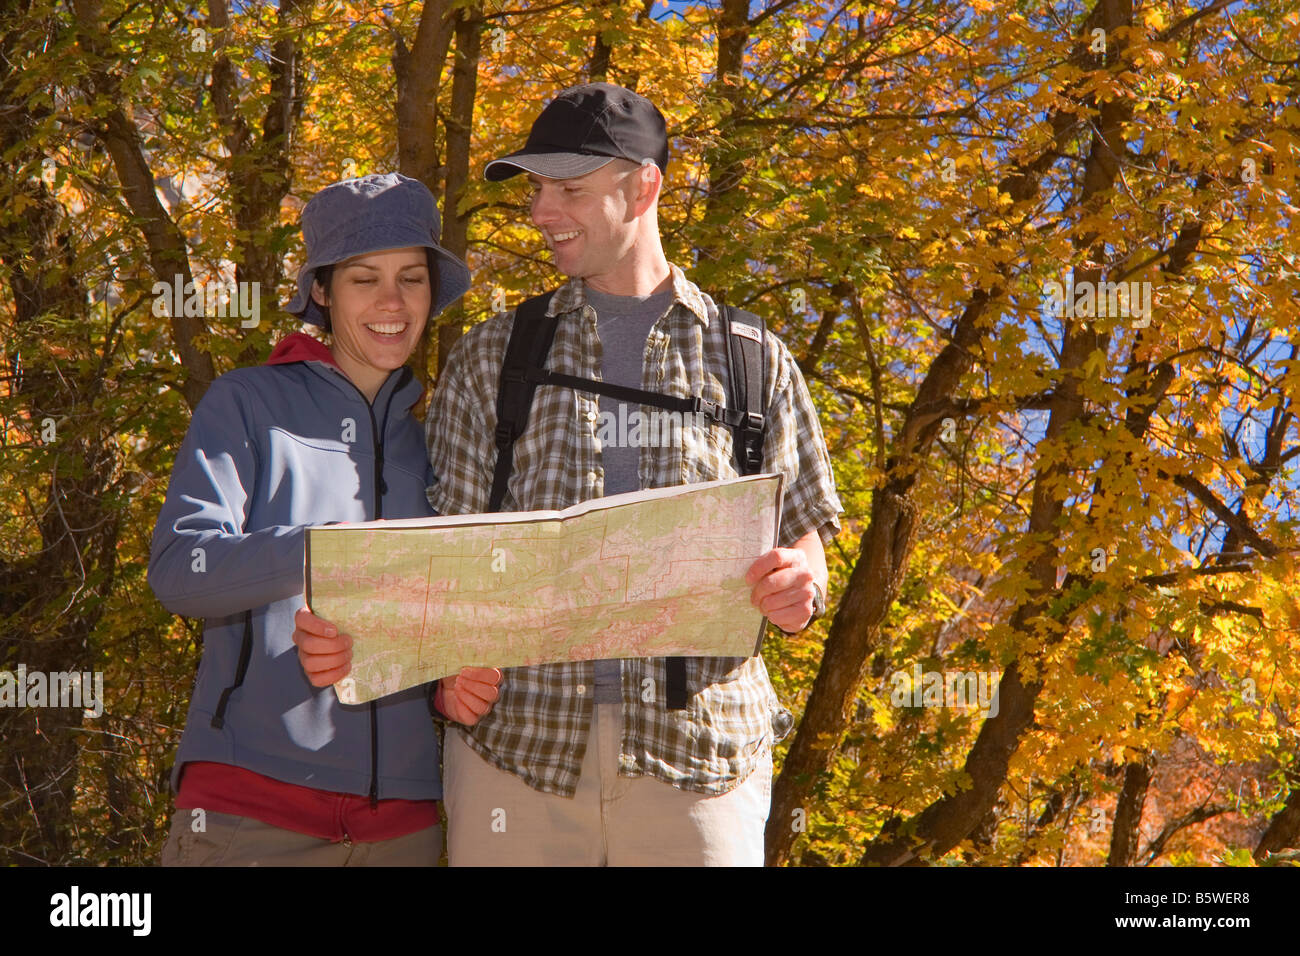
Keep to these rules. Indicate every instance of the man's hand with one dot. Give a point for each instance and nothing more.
(326, 655)
(469, 695)
(783, 579)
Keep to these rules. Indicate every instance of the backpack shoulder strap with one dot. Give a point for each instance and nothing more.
(746, 338)
(747, 353)
(531, 336)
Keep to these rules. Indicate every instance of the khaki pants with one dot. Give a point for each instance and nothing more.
(495, 819)
(242, 841)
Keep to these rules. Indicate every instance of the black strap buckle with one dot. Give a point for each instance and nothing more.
(705, 407)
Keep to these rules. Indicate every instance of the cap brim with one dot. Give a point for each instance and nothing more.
(550, 165)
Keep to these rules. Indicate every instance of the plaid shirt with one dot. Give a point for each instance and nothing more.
(538, 728)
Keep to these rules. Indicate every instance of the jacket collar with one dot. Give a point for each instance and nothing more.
(300, 347)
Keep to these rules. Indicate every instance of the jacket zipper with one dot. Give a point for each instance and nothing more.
(374, 758)
(380, 488)
(379, 513)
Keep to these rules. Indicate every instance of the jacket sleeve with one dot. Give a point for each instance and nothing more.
(203, 562)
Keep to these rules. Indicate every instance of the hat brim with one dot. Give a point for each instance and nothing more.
(453, 279)
(550, 165)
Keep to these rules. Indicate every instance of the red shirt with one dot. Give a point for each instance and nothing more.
(331, 816)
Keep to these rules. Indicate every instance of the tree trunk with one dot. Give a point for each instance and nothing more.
(1284, 829)
(724, 161)
(419, 78)
(886, 549)
(50, 598)
(1128, 811)
(460, 126)
(168, 254)
(948, 821)
(258, 169)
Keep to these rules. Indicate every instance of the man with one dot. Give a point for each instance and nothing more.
(585, 763)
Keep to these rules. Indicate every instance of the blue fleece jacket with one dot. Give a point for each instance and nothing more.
(269, 451)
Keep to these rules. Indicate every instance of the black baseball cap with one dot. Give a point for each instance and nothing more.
(584, 128)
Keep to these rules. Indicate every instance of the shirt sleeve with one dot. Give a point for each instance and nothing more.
(202, 563)
(462, 451)
(794, 445)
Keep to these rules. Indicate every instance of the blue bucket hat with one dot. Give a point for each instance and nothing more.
(369, 214)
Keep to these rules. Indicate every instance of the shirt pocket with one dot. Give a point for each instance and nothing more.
(729, 708)
(703, 672)
(706, 450)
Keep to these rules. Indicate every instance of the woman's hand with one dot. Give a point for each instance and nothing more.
(326, 655)
(469, 695)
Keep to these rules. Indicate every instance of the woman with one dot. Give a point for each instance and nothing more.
(272, 770)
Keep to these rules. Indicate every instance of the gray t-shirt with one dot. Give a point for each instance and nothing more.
(622, 324)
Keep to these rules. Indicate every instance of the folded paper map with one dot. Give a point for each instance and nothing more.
(646, 574)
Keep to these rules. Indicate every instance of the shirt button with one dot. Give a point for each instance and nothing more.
(591, 477)
(582, 689)
(591, 416)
